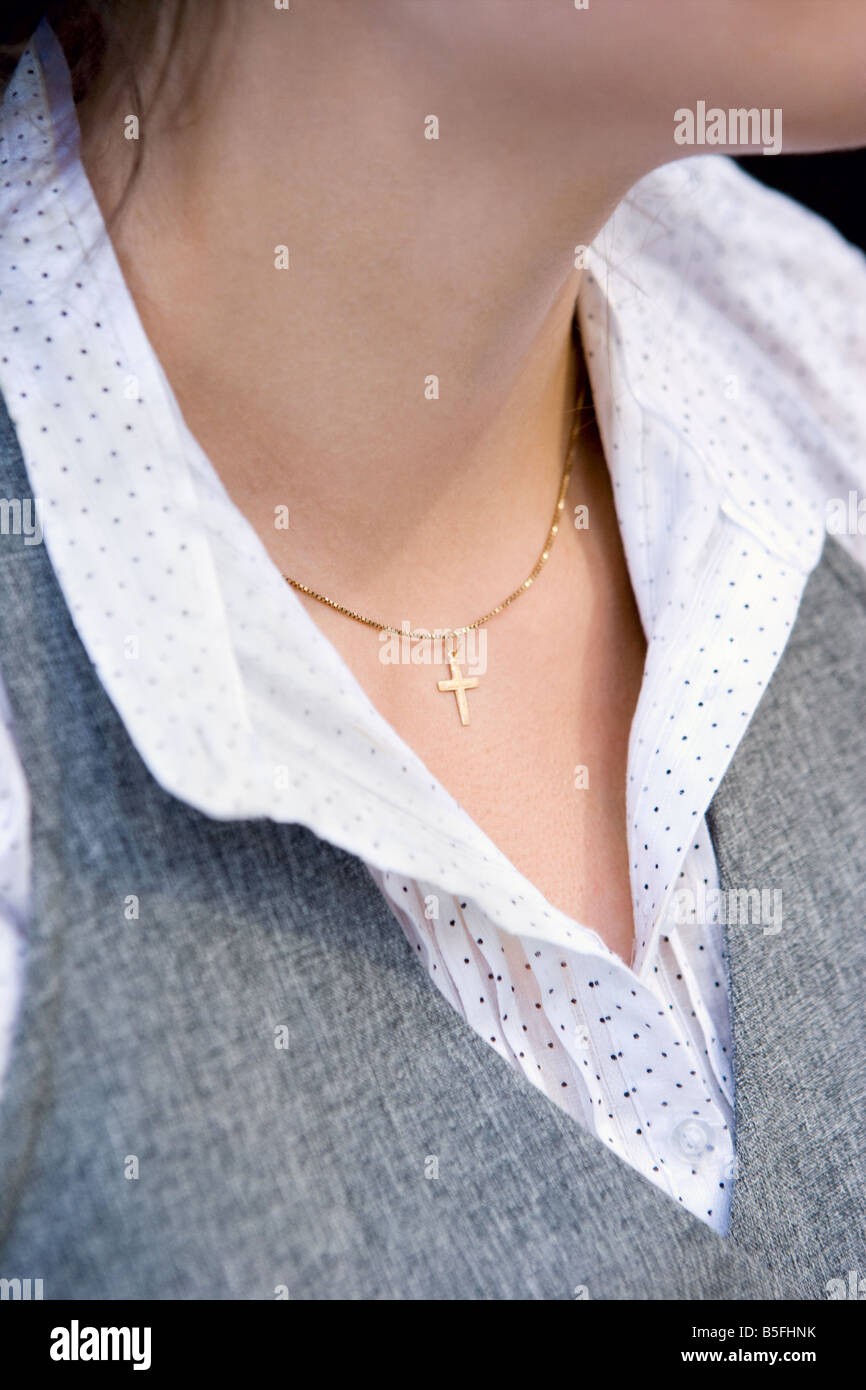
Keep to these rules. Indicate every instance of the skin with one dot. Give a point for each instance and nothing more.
(453, 257)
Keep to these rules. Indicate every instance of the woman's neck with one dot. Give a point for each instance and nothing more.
(404, 387)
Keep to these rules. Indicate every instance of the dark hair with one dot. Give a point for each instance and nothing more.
(84, 28)
(88, 31)
(93, 34)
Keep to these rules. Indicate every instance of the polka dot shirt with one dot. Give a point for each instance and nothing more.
(724, 333)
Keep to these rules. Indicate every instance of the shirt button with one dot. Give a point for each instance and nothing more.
(692, 1138)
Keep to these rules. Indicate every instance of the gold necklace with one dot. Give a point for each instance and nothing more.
(459, 684)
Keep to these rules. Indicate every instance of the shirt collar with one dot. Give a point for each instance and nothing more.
(675, 438)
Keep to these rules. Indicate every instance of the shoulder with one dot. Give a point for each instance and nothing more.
(768, 301)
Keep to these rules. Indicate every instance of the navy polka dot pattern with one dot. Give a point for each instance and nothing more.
(724, 332)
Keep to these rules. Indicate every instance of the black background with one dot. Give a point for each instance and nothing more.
(833, 185)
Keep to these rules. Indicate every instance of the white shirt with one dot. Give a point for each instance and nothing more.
(724, 332)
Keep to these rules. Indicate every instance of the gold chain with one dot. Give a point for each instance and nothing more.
(422, 634)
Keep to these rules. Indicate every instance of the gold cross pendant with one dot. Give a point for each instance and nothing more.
(459, 684)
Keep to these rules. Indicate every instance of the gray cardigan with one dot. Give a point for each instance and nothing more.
(156, 1143)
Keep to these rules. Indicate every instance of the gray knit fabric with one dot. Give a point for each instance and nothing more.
(791, 816)
(148, 1045)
